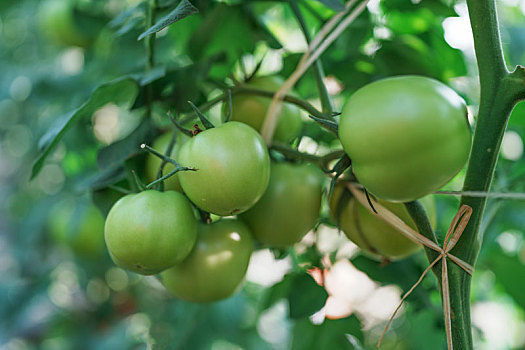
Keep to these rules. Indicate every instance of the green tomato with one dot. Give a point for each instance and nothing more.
(153, 162)
(373, 235)
(290, 206)
(406, 136)
(57, 22)
(150, 231)
(252, 110)
(233, 168)
(216, 266)
(79, 225)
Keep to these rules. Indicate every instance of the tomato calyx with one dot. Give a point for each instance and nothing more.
(196, 130)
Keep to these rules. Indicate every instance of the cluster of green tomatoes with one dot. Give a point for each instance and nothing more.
(405, 136)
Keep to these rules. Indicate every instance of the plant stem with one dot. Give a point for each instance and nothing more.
(149, 43)
(500, 91)
(321, 161)
(494, 110)
(326, 101)
(420, 218)
(240, 90)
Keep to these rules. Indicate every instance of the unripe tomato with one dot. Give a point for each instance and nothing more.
(216, 266)
(252, 110)
(153, 162)
(150, 231)
(373, 235)
(233, 168)
(406, 136)
(290, 206)
(79, 225)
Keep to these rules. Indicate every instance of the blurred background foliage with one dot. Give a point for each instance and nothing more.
(58, 287)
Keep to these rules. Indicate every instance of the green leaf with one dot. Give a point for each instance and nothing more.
(305, 296)
(422, 330)
(183, 10)
(225, 29)
(335, 5)
(278, 291)
(122, 91)
(510, 273)
(131, 13)
(103, 179)
(331, 334)
(403, 273)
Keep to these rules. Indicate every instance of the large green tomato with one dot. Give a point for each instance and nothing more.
(372, 234)
(290, 206)
(406, 136)
(252, 110)
(233, 168)
(79, 225)
(57, 21)
(216, 266)
(150, 231)
(153, 162)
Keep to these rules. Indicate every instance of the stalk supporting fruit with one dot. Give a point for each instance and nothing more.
(153, 162)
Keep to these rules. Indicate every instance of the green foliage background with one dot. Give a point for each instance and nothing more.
(54, 297)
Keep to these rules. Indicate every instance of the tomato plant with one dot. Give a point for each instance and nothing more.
(150, 231)
(372, 234)
(232, 168)
(406, 136)
(252, 110)
(290, 206)
(216, 267)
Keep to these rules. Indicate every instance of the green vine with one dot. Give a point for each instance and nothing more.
(326, 101)
(149, 43)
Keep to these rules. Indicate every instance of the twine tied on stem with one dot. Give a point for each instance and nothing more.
(454, 233)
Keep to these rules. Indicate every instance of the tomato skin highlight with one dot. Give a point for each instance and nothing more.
(233, 168)
(150, 231)
(216, 267)
(407, 136)
(252, 110)
(290, 206)
(373, 235)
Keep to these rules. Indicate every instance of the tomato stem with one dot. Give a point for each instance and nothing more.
(179, 126)
(167, 159)
(500, 91)
(322, 162)
(149, 43)
(326, 100)
(245, 90)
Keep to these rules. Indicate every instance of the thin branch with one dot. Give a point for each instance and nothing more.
(326, 100)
